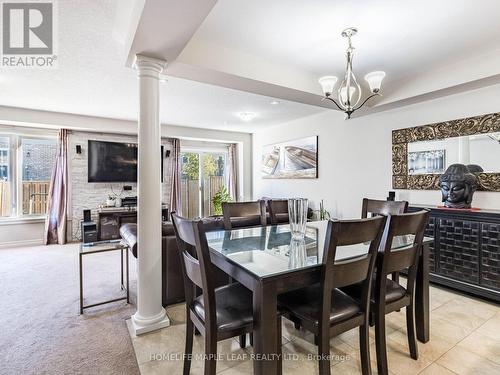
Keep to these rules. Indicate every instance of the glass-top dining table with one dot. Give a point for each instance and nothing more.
(268, 262)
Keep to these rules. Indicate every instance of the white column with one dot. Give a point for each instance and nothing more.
(150, 313)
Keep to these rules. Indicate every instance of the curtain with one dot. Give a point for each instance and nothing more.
(55, 223)
(232, 169)
(175, 177)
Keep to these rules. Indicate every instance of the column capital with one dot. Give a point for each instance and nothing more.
(153, 65)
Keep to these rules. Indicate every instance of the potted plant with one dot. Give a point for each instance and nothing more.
(322, 212)
(220, 197)
(110, 202)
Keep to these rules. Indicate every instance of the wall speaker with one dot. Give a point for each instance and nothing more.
(78, 149)
(86, 216)
(167, 153)
(392, 196)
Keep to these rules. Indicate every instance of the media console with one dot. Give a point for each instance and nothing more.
(466, 250)
(109, 221)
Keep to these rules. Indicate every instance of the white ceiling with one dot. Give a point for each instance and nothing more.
(92, 79)
(428, 48)
(229, 56)
(401, 37)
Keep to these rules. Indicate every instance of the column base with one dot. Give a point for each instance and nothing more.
(141, 325)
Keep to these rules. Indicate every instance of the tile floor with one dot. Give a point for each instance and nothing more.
(465, 339)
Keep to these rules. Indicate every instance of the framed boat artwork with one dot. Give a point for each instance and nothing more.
(291, 159)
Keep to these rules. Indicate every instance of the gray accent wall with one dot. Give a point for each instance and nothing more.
(85, 195)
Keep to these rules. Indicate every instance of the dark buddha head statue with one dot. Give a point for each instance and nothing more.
(458, 185)
(474, 168)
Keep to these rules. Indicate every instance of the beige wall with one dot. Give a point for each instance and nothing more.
(355, 155)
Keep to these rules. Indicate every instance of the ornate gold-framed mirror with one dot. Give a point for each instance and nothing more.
(422, 153)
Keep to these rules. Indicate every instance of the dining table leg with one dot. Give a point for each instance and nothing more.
(265, 330)
(422, 296)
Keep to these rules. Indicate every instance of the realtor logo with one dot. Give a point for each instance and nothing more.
(28, 34)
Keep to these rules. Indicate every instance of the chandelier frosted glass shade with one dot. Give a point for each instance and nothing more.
(374, 79)
(354, 96)
(327, 84)
(351, 86)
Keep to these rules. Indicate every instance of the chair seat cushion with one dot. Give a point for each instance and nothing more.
(233, 307)
(393, 291)
(305, 304)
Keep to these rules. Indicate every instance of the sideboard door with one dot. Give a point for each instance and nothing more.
(490, 255)
(459, 249)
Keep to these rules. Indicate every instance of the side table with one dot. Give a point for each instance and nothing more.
(102, 247)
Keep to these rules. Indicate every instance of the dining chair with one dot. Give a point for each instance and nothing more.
(325, 310)
(243, 214)
(376, 207)
(278, 211)
(218, 313)
(389, 296)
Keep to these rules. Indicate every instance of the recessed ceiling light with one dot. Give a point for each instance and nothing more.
(247, 116)
(275, 102)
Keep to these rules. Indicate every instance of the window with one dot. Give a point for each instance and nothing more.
(26, 164)
(5, 178)
(38, 156)
(203, 175)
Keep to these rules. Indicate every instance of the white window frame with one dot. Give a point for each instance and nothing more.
(15, 168)
(200, 151)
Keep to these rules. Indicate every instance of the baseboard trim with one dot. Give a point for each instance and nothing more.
(23, 243)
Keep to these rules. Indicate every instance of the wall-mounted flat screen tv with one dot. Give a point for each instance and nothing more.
(113, 162)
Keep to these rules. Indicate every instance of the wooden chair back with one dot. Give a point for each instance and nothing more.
(385, 208)
(336, 274)
(278, 211)
(197, 268)
(243, 214)
(392, 260)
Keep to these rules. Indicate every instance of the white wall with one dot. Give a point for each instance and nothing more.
(355, 155)
(20, 233)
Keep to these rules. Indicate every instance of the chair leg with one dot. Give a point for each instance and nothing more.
(372, 319)
(251, 339)
(188, 350)
(380, 343)
(210, 353)
(395, 278)
(278, 346)
(324, 354)
(411, 330)
(364, 349)
(243, 341)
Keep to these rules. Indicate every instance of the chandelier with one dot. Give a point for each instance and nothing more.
(349, 92)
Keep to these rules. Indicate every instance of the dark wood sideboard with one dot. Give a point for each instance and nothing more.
(466, 250)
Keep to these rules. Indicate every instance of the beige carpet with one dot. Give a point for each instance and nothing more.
(41, 331)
